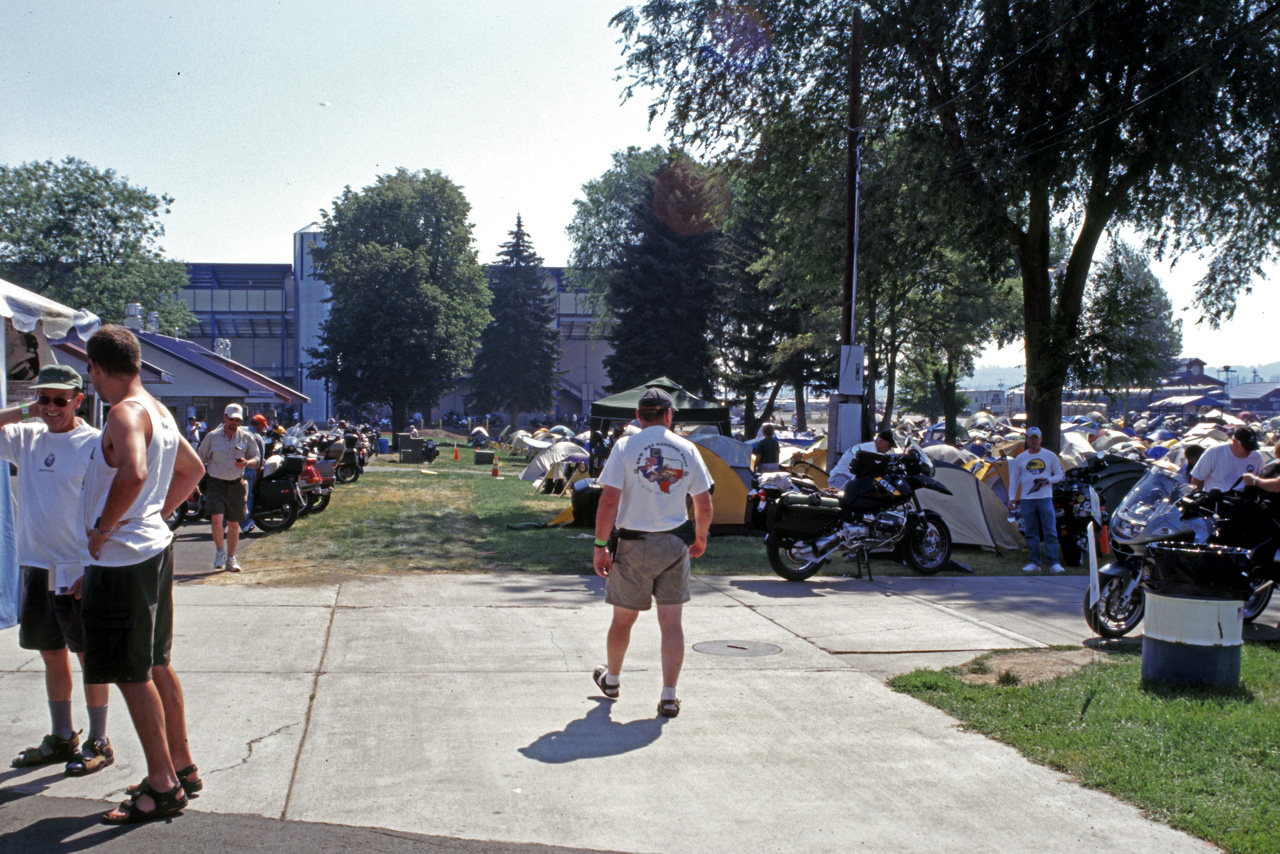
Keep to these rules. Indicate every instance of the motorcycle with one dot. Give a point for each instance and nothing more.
(277, 497)
(878, 510)
(1111, 477)
(1163, 507)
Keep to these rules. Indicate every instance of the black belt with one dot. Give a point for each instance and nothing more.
(685, 532)
(223, 480)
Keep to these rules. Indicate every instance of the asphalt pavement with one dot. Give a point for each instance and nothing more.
(457, 713)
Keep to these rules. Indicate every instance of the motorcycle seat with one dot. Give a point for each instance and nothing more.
(272, 463)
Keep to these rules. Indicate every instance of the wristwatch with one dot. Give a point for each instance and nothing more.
(96, 526)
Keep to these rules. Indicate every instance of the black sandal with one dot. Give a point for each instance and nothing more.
(190, 786)
(167, 804)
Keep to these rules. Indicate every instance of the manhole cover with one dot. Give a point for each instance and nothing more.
(749, 649)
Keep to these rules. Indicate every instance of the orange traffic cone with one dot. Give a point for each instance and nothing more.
(1104, 541)
(495, 467)
(455, 451)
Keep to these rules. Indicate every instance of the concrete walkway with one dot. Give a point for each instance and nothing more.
(448, 708)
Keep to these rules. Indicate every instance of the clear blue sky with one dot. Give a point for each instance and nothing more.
(255, 115)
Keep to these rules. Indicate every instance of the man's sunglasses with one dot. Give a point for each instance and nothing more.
(45, 400)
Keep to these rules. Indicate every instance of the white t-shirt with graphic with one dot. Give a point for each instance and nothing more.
(655, 469)
(1220, 469)
(51, 469)
(1027, 468)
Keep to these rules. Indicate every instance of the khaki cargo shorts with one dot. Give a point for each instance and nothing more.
(653, 568)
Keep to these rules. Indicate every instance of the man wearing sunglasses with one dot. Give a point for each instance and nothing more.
(51, 454)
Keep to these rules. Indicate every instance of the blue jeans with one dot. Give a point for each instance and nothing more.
(250, 475)
(1038, 523)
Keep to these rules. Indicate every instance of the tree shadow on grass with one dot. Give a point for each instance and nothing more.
(594, 736)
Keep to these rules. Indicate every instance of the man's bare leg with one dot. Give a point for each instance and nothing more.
(233, 537)
(147, 713)
(57, 674)
(620, 636)
(669, 622)
(175, 716)
(216, 521)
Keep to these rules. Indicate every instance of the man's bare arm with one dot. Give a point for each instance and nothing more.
(702, 512)
(606, 515)
(187, 471)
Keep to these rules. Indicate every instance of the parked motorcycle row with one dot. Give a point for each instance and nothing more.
(297, 477)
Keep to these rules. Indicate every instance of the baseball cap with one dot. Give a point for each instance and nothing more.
(59, 376)
(1243, 435)
(233, 410)
(259, 419)
(656, 398)
(1033, 431)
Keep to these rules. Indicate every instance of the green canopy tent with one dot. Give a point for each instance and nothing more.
(689, 409)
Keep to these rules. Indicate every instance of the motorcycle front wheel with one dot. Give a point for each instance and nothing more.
(928, 546)
(789, 567)
(277, 518)
(1257, 603)
(1118, 611)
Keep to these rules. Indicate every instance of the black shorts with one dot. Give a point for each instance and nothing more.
(47, 621)
(128, 619)
(226, 498)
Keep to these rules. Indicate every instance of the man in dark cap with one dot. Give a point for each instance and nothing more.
(645, 559)
(883, 443)
(1224, 466)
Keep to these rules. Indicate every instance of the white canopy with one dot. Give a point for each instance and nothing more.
(26, 309)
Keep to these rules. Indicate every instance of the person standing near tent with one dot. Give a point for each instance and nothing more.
(645, 559)
(52, 455)
(138, 474)
(768, 452)
(1034, 472)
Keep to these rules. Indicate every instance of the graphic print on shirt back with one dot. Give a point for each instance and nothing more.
(656, 467)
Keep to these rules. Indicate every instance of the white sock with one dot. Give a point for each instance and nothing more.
(611, 678)
(668, 693)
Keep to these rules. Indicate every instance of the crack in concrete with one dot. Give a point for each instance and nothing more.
(311, 701)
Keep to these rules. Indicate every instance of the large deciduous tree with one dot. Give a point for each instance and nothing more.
(87, 238)
(1159, 114)
(515, 370)
(409, 299)
(1129, 337)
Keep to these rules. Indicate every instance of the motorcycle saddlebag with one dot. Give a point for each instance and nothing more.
(293, 465)
(799, 513)
(273, 493)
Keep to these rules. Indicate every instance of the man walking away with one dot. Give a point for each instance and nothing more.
(52, 455)
(138, 474)
(225, 454)
(645, 482)
(1032, 475)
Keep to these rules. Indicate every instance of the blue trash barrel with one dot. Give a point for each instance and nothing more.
(384, 445)
(1193, 622)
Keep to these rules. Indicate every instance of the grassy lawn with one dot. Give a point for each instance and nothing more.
(456, 518)
(1205, 761)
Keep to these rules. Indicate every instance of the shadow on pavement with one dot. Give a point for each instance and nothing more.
(594, 736)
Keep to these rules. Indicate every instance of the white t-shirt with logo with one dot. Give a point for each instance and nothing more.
(655, 469)
(1220, 469)
(51, 469)
(1027, 468)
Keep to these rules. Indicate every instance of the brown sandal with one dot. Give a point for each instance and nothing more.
(51, 749)
(94, 756)
(191, 786)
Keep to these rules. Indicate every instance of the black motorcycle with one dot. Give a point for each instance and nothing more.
(1111, 478)
(277, 498)
(878, 510)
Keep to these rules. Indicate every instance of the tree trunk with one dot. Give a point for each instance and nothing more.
(890, 389)
(767, 413)
(750, 423)
(802, 418)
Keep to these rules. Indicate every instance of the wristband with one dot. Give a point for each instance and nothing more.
(601, 544)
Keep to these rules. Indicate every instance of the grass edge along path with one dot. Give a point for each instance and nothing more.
(1204, 761)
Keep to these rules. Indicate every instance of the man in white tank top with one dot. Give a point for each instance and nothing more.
(140, 473)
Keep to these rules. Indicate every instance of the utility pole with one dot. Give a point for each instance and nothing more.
(845, 428)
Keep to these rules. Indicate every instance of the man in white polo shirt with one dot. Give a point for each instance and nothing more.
(225, 454)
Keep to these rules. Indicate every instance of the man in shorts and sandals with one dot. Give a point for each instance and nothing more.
(52, 454)
(645, 558)
(138, 474)
(225, 454)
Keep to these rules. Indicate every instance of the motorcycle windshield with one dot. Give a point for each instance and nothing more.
(1156, 489)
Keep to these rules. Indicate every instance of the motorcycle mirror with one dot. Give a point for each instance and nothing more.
(1095, 503)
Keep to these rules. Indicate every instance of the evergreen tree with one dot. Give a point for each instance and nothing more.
(515, 370)
(662, 291)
